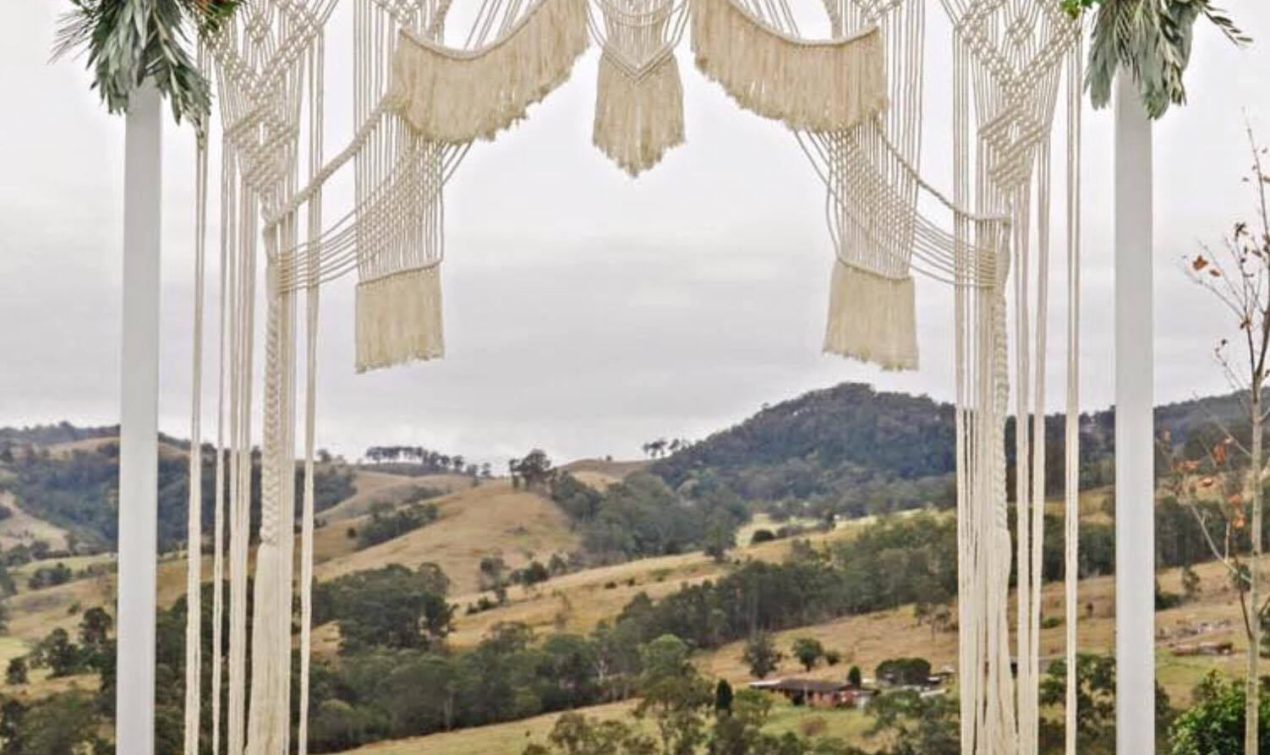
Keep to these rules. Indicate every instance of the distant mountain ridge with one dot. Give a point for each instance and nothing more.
(828, 443)
(859, 447)
(852, 447)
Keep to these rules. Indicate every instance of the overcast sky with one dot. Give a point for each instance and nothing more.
(585, 312)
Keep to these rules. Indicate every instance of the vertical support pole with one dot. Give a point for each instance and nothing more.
(1135, 436)
(138, 429)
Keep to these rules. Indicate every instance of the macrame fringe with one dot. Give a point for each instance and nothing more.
(872, 318)
(456, 96)
(809, 85)
(399, 319)
(638, 118)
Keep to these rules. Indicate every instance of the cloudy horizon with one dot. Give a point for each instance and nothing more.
(586, 313)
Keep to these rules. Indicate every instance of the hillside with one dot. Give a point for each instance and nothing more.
(829, 443)
(492, 519)
(575, 603)
(848, 448)
(861, 450)
(621, 558)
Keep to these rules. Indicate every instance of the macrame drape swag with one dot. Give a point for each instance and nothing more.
(853, 99)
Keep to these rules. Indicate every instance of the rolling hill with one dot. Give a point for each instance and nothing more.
(858, 450)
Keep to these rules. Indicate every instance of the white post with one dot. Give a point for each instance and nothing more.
(1135, 436)
(138, 428)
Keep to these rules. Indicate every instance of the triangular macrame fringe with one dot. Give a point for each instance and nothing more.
(399, 319)
(638, 118)
(872, 318)
(457, 96)
(814, 85)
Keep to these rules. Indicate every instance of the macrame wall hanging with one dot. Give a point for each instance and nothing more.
(639, 96)
(854, 101)
(268, 66)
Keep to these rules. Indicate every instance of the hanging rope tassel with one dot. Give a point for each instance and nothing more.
(814, 85)
(455, 96)
(872, 318)
(639, 96)
(638, 118)
(399, 319)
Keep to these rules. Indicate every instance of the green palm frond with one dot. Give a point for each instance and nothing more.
(1149, 39)
(128, 41)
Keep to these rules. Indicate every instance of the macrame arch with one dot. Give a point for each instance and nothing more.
(853, 100)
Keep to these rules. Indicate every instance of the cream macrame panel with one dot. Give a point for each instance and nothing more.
(422, 96)
(1009, 58)
(268, 64)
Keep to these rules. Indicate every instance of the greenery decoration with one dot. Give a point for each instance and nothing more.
(1152, 40)
(128, 41)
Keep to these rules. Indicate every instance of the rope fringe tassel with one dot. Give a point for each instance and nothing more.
(399, 319)
(456, 96)
(820, 86)
(872, 318)
(637, 119)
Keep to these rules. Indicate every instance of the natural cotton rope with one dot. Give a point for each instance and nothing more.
(1004, 90)
(1071, 460)
(639, 96)
(861, 128)
(456, 95)
(194, 503)
(814, 85)
(268, 69)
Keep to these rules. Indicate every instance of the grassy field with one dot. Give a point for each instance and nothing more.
(494, 518)
(512, 737)
(577, 602)
(20, 528)
(378, 487)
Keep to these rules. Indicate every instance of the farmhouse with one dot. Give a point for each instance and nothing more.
(817, 693)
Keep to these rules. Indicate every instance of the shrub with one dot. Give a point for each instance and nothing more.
(762, 536)
(814, 726)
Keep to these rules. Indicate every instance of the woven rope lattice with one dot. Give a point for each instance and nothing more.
(854, 102)
(268, 64)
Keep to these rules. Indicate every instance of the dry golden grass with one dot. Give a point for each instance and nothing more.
(23, 529)
(764, 521)
(866, 641)
(375, 487)
(577, 602)
(512, 737)
(606, 467)
(495, 519)
(62, 450)
(597, 480)
(492, 519)
(1092, 505)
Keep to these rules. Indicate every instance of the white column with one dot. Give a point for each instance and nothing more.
(1135, 441)
(138, 431)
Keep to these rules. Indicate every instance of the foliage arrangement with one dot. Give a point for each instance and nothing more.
(1151, 40)
(127, 42)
